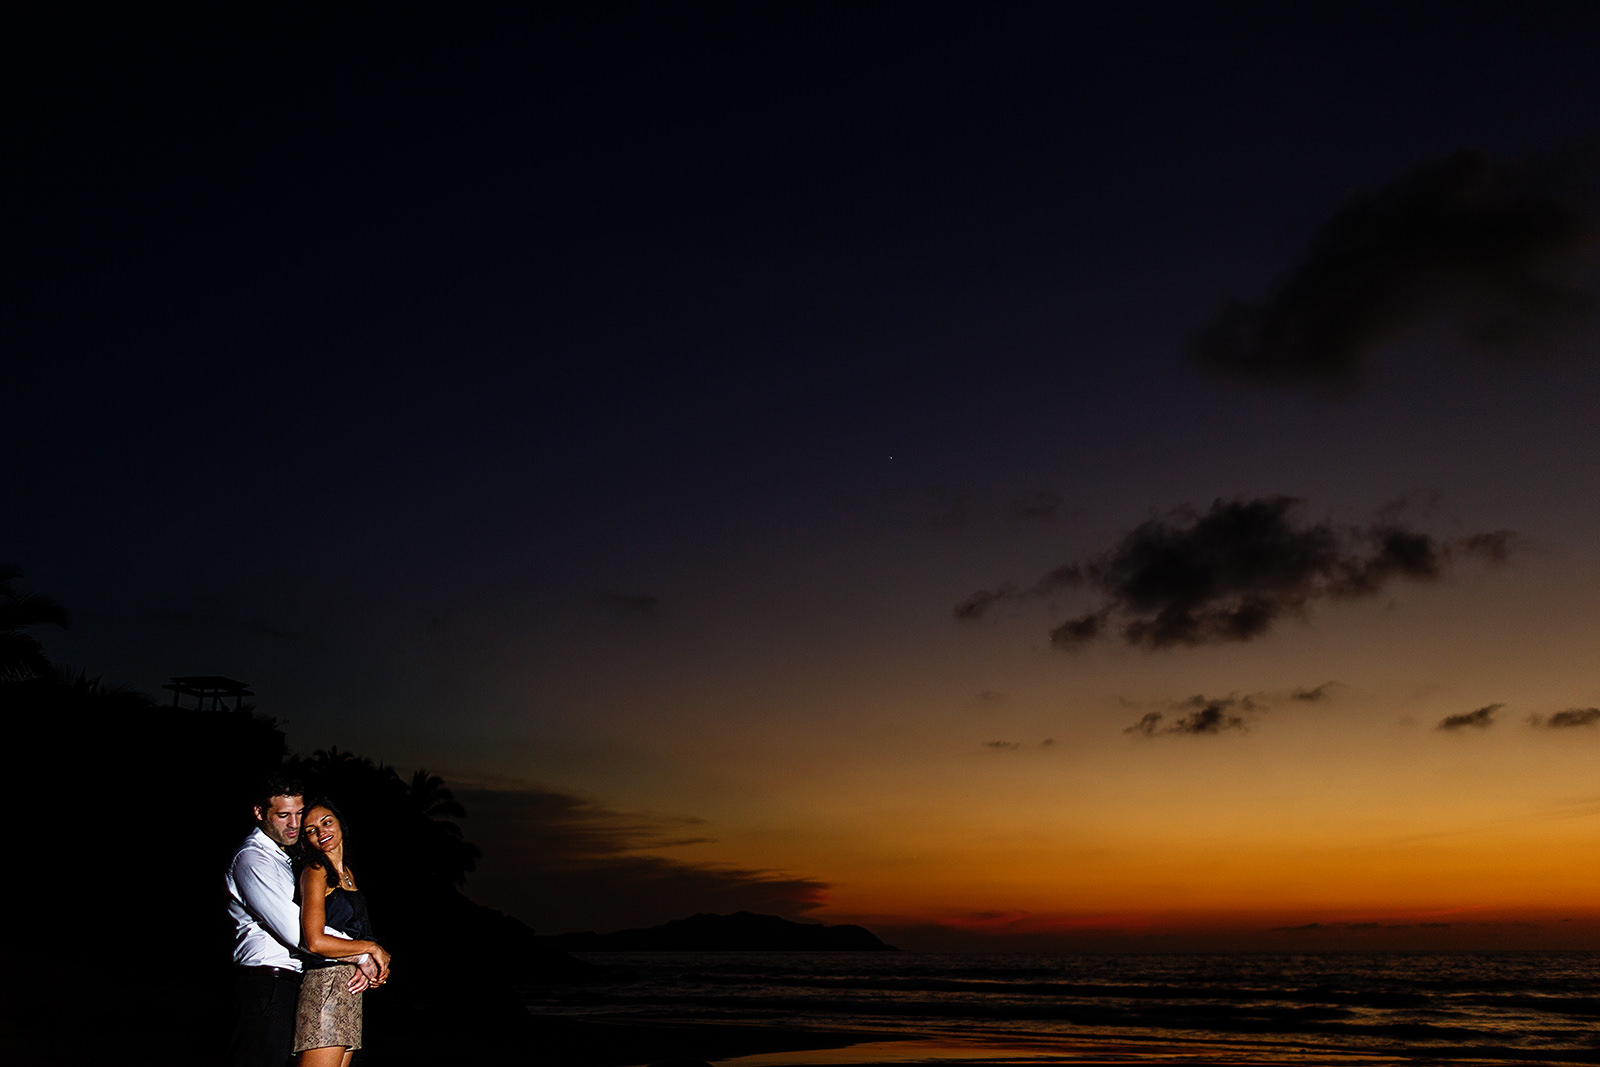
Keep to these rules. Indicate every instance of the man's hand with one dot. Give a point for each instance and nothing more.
(366, 971)
(381, 958)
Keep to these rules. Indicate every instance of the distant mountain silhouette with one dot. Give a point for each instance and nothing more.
(740, 932)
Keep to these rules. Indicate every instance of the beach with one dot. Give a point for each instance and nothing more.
(566, 1043)
(570, 1043)
(840, 1009)
(889, 1010)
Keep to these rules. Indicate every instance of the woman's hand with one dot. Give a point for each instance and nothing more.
(381, 957)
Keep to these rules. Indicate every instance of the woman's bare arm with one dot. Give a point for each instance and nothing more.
(314, 918)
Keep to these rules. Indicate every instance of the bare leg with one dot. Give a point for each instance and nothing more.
(329, 1056)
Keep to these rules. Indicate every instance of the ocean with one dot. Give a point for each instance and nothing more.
(1537, 1007)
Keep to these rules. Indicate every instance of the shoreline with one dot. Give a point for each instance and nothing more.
(1087, 1051)
(557, 1041)
(442, 1023)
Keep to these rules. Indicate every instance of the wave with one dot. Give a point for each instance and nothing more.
(1495, 1007)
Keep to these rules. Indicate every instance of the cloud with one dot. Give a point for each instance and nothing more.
(1066, 576)
(1493, 547)
(1198, 715)
(1316, 694)
(1480, 719)
(1570, 718)
(979, 603)
(1016, 746)
(1492, 249)
(991, 700)
(1212, 718)
(562, 863)
(1149, 725)
(1233, 572)
(1037, 504)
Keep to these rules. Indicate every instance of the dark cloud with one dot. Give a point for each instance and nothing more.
(1480, 719)
(562, 863)
(631, 603)
(1570, 718)
(1149, 725)
(1212, 716)
(1066, 576)
(1079, 631)
(1038, 504)
(1198, 715)
(1491, 249)
(1233, 572)
(1209, 720)
(1003, 746)
(976, 605)
(973, 608)
(1494, 547)
(1315, 694)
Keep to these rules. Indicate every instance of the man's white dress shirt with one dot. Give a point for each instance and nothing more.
(266, 920)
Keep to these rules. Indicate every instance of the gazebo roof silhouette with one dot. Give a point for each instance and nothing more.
(212, 687)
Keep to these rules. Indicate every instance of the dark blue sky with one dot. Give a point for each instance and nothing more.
(433, 373)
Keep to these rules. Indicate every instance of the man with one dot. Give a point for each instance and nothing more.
(266, 932)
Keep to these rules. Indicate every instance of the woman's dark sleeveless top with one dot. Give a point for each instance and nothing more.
(346, 912)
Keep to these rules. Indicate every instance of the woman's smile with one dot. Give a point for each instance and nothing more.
(322, 827)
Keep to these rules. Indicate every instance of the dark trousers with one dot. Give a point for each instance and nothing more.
(264, 1001)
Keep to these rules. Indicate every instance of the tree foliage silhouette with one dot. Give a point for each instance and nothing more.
(171, 788)
(402, 840)
(21, 655)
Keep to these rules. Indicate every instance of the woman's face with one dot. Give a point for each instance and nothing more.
(321, 828)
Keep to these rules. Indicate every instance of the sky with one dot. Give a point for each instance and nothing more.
(1008, 475)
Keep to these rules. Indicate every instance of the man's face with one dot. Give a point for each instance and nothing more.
(280, 819)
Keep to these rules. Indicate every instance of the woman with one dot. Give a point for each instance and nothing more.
(333, 924)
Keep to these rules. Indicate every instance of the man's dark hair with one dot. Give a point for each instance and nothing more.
(278, 785)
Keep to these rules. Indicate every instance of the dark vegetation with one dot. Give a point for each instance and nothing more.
(135, 807)
(130, 809)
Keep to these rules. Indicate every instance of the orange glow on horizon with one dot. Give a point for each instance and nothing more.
(1575, 929)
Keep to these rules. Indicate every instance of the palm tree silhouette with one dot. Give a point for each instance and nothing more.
(445, 853)
(21, 655)
(432, 799)
(407, 827)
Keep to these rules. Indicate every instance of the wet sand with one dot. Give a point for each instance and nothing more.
(580, 1043)
(944, 1051)
(66, 1012)
(555, 1042)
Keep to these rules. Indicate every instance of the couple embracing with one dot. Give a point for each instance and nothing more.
(302, 941)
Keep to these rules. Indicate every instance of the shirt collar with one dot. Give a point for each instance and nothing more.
(259, 838)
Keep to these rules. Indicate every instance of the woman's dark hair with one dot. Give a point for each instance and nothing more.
(308, 855)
